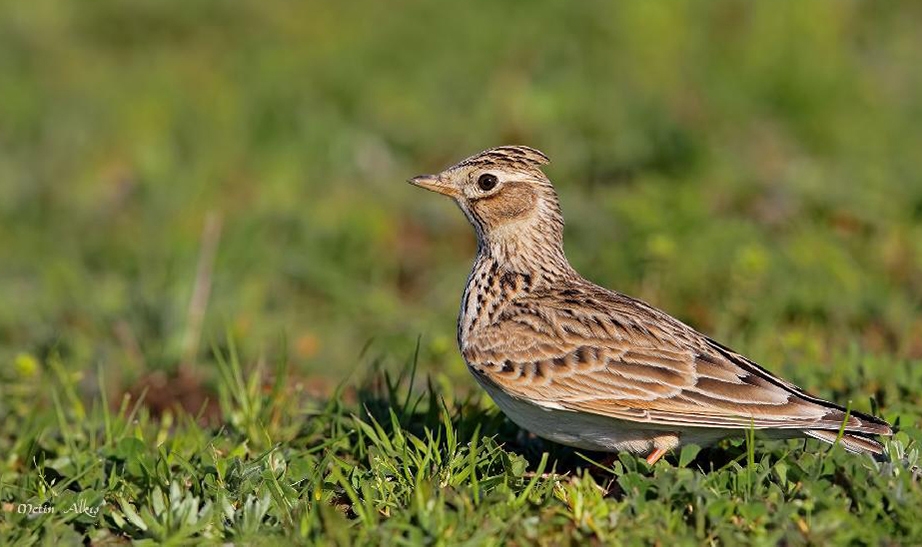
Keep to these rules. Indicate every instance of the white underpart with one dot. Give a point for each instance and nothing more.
(591, 431)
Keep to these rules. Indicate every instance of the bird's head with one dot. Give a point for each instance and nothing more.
(509, 201)
(499, 189)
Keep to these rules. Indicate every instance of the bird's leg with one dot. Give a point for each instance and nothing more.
(655, 455)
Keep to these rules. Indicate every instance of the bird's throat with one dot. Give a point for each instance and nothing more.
(531, 249)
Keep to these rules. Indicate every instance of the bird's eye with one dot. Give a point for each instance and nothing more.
(487, 182)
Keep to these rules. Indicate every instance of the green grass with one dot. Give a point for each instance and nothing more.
(752, 168)
(387, 463)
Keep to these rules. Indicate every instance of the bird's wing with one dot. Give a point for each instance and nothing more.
(607, 354)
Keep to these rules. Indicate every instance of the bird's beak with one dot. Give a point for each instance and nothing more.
(434, 183)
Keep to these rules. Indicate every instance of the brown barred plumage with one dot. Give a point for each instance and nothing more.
(592, 368)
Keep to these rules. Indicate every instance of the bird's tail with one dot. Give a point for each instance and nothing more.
(857, 443)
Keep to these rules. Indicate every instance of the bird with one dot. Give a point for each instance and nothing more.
(592, 368)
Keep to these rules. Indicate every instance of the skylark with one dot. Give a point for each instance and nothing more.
(596, 369)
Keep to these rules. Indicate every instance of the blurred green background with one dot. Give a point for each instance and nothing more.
(753, 168)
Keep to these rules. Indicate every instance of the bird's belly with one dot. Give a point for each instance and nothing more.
(579, 430)
(592, 431)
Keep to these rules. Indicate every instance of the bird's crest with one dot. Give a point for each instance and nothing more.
(508, 156)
